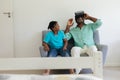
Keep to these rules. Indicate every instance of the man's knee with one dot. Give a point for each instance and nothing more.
(75, 51)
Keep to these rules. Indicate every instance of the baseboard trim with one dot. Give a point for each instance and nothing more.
(112, 64)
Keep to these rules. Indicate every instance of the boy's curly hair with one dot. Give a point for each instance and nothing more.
(52, 24)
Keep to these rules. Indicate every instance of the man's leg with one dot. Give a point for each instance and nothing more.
(91, 50)
(75, 52)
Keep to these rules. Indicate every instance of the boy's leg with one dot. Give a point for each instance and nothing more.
(72, 71)
(51, 53)
(46, 72)
(65, 53)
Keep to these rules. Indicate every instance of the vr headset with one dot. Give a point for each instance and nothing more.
(79, 14)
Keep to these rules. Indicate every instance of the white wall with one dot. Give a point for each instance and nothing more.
(33, 16)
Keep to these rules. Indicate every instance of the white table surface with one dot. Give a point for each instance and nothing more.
(46, 77)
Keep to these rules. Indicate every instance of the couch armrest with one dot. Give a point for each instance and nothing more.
(104, 49)
(43, 53)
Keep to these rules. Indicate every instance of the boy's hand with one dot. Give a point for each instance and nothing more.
(64, 48)
(46, 48)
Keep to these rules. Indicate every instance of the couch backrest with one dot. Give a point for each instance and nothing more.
(96, 37)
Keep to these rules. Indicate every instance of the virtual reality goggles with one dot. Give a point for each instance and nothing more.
(79, 14)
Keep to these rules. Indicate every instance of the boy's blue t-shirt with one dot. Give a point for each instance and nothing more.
(55, 41)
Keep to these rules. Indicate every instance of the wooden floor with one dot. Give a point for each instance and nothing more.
(111, 73)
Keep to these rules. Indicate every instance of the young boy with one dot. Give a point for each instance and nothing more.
(55, 42)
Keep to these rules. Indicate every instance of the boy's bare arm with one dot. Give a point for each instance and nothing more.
(46, 47)
(65, 44)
